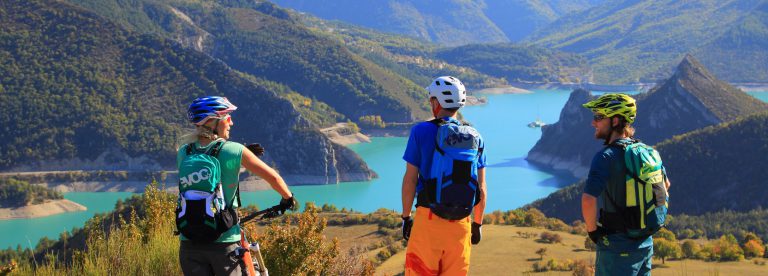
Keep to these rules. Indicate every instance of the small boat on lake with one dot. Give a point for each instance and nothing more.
(537, 123)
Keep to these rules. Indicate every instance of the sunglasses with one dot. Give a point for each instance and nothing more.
(598, 117)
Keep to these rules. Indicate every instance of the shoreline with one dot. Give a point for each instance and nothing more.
(502, 90)
(49, 208)
(343, 134)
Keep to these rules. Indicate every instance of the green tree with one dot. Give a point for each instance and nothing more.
(534, 217)
(663, 249)
(664, 233)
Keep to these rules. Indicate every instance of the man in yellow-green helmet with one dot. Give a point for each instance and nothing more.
(610, 204)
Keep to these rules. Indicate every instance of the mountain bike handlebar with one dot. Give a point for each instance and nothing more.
(270, 212)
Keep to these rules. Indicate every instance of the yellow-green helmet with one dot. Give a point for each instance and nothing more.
(614, 104)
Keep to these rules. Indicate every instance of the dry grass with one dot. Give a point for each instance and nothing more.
(352, 236)
(503, 252)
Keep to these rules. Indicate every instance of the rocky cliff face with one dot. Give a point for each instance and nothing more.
(567, 144)
(691, 99)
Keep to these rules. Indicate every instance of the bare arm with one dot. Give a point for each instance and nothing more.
(410, 179)
(480, 207)
(589, 211)
(255, 165)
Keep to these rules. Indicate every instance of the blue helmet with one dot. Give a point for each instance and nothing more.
(206, 107)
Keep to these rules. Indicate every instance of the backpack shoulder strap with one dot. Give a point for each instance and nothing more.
(437, 122)
(216, 148)
(237, 195)
(189, 148)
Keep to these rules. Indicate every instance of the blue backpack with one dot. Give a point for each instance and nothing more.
(453, 190)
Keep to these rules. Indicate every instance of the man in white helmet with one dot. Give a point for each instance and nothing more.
(448, 216)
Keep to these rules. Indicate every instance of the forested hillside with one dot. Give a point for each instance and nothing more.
(266, 41)
(477, 65)
(728, 161)
(15, 193)
(408, 57)
(740, 54)
(80, 92)
(448, 22)
(518, 62)
(629, 41)
(452, 22)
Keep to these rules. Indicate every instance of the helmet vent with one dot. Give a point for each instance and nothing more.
(449, 101)
(447, 93)
(447, 83)
(437, 83)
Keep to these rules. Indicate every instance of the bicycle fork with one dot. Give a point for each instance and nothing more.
(250, 255)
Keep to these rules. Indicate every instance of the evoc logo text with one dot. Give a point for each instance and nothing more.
(195, 177)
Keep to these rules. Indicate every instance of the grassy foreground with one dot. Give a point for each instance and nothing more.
(137, 239)
(504, 252)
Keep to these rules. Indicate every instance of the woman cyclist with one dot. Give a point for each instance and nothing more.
(212, 120)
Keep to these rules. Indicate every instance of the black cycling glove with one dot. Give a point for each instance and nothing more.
(477, 232)
(407, 224)
(256, 148)
(598, 234)
(288, 204)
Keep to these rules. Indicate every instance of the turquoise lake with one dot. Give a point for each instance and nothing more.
(512, 182)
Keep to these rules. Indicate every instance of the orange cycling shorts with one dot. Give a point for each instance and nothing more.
(438, 246)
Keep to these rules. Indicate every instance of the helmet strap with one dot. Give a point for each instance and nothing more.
(215, 129)
(610, 131)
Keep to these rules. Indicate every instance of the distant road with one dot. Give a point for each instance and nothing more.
(43, 173)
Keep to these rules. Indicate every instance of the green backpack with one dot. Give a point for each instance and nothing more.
(646, 204)
(202, 214)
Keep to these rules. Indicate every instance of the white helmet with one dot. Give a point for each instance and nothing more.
(449, 91)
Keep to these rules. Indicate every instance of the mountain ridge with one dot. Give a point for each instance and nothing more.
(631, 41)
(695, 191)
(451, 23)
(691, 99)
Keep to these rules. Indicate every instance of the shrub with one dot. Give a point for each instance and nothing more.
(724, 249)
(753, 248)
(691, 249)
(549, 237)
(300, 249)
(583, 268)
(554, 265)
(589, 244)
